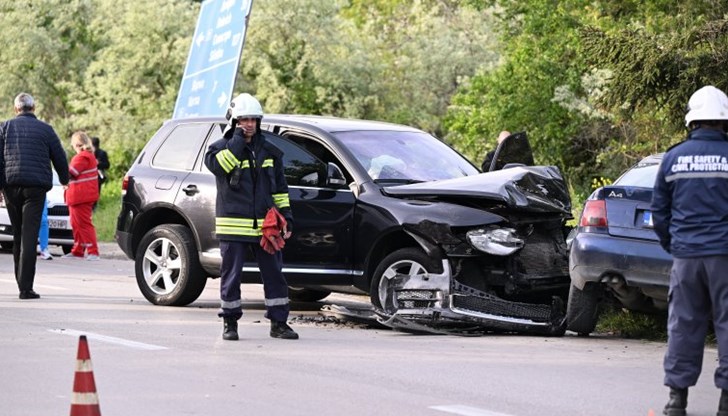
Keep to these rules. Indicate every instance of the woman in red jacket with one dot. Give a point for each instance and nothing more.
(82, 193)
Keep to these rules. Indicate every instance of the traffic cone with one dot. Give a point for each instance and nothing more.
(651, 413)
(84, 401)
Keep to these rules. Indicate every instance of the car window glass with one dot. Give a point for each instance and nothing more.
(181, 148)
(405, 156)
(641, 175)
(301, 167)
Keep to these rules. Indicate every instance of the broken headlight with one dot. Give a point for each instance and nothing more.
(497, 241)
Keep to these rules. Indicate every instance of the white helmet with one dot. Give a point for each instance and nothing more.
(245, 105)
(707, 103)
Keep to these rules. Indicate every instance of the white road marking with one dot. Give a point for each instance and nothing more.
(462, 410)
(110, 340)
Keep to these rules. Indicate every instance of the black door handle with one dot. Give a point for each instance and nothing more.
(190, 190)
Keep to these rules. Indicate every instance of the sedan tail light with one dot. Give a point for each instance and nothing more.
(594, 214)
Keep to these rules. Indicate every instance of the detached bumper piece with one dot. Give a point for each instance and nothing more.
(470, 312)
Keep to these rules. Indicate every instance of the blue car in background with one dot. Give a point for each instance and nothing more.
(615, 253)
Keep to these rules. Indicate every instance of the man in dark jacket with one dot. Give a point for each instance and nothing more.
(28, 147)
(249, 175)
(689, 209)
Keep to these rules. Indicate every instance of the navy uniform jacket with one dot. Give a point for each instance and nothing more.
(690, 199)
(240, 209)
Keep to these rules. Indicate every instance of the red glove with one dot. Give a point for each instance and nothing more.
(274, 225)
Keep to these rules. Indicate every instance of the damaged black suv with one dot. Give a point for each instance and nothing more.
(379, 208)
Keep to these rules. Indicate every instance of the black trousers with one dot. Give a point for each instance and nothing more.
(25, 209)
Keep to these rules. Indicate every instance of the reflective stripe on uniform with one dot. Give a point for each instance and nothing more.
(231, 304)
(267, 163)
(236, 226)
(227, 160)
(281, 200)
(94, 178)
(234, 222)
(696, 175)
(276, 302)
(238, 231)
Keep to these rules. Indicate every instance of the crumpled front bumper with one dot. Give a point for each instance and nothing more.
(439, 304)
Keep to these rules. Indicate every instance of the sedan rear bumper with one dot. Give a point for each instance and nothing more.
(641, 263)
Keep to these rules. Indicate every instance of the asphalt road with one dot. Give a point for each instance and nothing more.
(150, 360)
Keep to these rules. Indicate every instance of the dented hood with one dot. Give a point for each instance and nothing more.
(528, 188)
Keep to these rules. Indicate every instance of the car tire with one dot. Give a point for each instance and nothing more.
(300, 294)
(582, 309)
(167, 267)
(403, 262)
(66, 249)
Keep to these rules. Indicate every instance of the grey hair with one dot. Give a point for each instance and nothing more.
(24, 102)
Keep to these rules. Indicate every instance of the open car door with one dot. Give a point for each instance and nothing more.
(514, 150)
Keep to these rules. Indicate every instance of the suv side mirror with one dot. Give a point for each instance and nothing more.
(334, 175)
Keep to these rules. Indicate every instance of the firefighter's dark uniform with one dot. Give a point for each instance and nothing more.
(690, 214)
(240, 210)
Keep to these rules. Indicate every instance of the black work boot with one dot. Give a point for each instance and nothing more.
(282, 330)
(230, 331)
(678, 402)
(723, 404)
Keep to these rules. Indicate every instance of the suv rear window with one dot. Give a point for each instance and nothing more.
(180, 149)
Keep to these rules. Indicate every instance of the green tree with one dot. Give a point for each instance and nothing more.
(540, 54)
(46, 46)
(655, 67)
(111, 68)
(130, 86)
(597, 85)
(401, 66)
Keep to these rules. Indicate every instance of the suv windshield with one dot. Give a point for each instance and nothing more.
(404, 156)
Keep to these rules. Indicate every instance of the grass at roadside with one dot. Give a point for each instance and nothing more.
(108, 210)
(633, 325)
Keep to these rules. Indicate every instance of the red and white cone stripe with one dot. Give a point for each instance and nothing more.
(84, 401)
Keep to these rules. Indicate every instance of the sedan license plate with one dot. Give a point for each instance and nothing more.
(58, 224)
(647, 220)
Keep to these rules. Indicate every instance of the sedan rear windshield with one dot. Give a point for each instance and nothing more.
(641, 175)
(405, 156)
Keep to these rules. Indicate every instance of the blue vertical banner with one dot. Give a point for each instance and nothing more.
(209, 77)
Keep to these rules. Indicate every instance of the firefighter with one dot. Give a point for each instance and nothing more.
(689, 212)
(248, 171)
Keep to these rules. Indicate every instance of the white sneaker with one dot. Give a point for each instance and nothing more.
(46, 255)
(93, 257)
(71, 256)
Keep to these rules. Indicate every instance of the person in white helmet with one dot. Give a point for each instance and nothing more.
(690, 215)
(250, 180)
